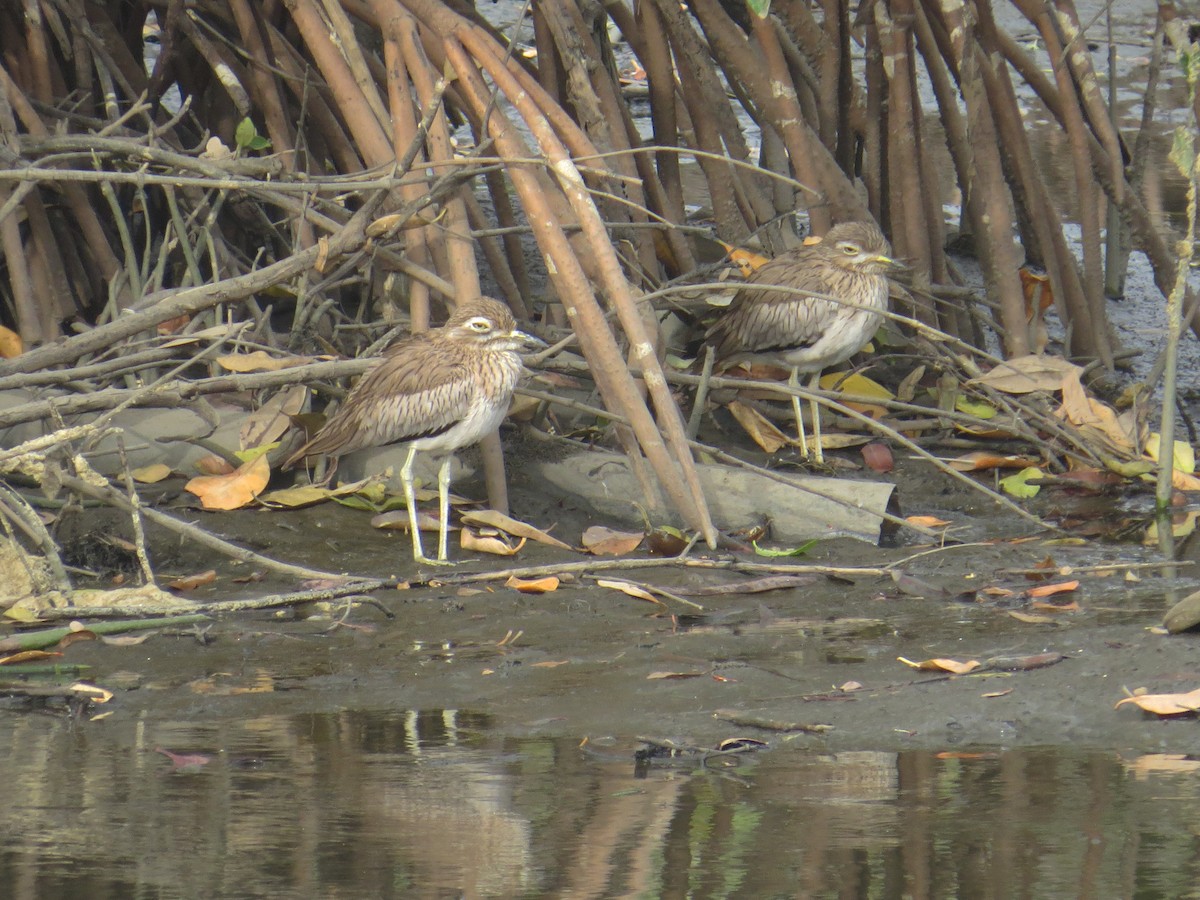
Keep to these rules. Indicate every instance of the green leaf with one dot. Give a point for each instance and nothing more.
(259, 143)
(775, 554)
(1019, 485)
(759, 8)
(253, 453)
(245, 134)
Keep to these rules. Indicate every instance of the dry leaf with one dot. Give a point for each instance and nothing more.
(761, 429)
(269, 422)
(632, 590)
(151, 474)
(544, 585)
(927, 521)
(1165, 704)
(1096, 420)
(602, 541)
(992, 694)
(232, 491)
(1049, 590)
(982, 459)
(549, 664)
(509, 525)
(397, 520)
(470, 539)
(307, 494)
(952, 666)
(1028, 373)
(191, 582)
(260, 361)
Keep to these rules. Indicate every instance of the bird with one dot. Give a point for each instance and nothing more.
(437, 391)
(836, 293)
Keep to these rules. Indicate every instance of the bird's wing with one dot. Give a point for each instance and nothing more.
(762, 318)
(412, 393)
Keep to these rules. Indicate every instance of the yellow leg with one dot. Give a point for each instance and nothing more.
(814, 384)
(410, 499)
(794, 381)
(443, 507)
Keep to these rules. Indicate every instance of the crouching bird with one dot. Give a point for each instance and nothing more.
(831, 303)
(436, 391)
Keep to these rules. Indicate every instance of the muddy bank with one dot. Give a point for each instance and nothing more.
(587, 661)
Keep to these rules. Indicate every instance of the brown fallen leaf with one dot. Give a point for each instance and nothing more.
(232, 491)
(1095, 419)
(191, 582)
(549, 663)
(979, 460)
(660, 676)
(1024, 663)
(397, 520)
(927, 521)
(993, 694)
(1049, 590)
(542, 585)
(1027, 373)
(601, 541)
(498, 520)
(953, 666)
(1165, 704)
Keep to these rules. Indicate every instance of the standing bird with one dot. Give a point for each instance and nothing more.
(439, 390)
(840, 294)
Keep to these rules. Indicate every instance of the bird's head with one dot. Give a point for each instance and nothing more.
(487, 324)
(858, 247)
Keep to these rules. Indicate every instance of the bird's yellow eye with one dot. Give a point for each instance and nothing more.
(849, 249)
(481, 325)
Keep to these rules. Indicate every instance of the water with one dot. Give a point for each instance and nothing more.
(431, 804)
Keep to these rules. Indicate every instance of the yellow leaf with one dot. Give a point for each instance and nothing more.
(533, 585)
(603, 541)
(761, 429)
(151, 474)
(470, 539)
(953, 666)
(856, 385)
(632, 590)
(1165, 704)
(1185, 456)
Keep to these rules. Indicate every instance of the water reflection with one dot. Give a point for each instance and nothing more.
(431, 804)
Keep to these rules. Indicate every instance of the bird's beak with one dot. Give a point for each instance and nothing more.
(889, 262)
(529, 340)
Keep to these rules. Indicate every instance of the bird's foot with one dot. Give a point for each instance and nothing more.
(422, 559)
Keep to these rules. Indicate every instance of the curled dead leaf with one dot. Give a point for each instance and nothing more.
(191, 582)
(628, 588)
(1165, 704)
(953, 666)
(509, 525)
(151, 474)
(497, 544)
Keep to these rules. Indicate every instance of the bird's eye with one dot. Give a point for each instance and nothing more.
(849, 249)
(481, 325)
